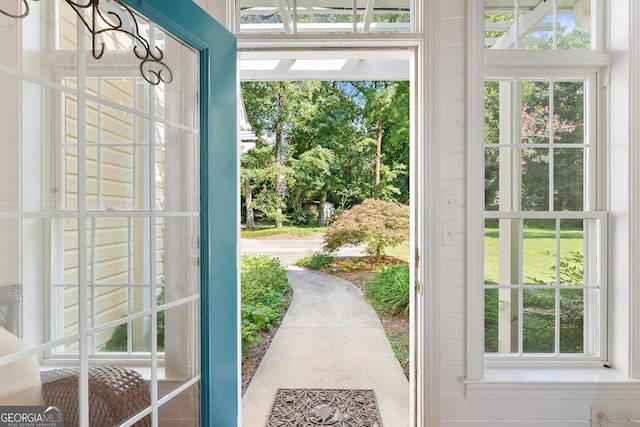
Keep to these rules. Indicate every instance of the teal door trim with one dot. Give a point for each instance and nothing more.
(220, 357)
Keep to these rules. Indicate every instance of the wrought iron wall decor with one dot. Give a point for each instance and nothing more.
(115, 16)
(17, 15)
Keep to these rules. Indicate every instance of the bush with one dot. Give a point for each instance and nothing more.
(264, 296)
(388, 292)
(304, 217)
(315, 261)
(375, 223)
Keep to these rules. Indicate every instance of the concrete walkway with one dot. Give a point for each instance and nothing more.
(329, 338)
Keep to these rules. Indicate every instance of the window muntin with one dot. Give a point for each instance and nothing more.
(543, 265)
(324, 17)
(539, 24)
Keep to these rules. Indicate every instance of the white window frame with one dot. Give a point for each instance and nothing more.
(595, 235)
(498, 378)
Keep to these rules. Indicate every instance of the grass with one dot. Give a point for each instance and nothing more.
(539, 250)
(266, 231)
(401, 251)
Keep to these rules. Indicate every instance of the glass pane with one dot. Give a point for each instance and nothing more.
(535, 112)
(492, 178)
(538, 26)
(183, 409)
(539, 312)
(498, 18)
(539, 252)
(572, 321)
(178, 256)
(491, 251)
(319, 17)
(491, 112)
(572, 261)
(575, 25)
(569, 179)
(537, 34)
(491, 304)
(535, 179)
(568, 109)
(181, 328)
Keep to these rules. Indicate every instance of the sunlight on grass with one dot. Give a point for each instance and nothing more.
(286, 230)
(401, 251)
(538, 251)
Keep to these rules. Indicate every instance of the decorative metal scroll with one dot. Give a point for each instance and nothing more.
(113, 16)
(19, 15)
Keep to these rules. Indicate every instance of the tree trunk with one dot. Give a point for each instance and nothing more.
(376, 182)
(248, 198)
(321, 207)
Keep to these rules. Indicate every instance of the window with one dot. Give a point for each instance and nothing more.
(542, 166)
(544, 237)
(540, 24)
(321, 17)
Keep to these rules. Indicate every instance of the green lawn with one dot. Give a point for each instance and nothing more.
(264, 231)
(401, 251)
(539, 250)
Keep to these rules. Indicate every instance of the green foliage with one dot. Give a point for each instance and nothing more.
(388, 291)
(303, 217)
(316, 260)
(400, 345)
(264, 296)
(539, 310)
(376, 223)
(118, 341)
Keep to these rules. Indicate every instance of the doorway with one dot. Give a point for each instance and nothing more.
(343, 67)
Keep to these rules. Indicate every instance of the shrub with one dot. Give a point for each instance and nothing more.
(264, 296)
(315, 261)
(375, 223)
(304, 217)
(388, 291)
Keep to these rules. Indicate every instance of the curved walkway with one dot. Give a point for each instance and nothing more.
(329, 338)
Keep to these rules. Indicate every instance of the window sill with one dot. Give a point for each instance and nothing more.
(546, 383)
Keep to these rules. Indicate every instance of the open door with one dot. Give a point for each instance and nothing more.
(118, 210)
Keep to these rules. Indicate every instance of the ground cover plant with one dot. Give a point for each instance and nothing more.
(265, 297)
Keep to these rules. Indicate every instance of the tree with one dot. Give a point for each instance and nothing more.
(376, 223)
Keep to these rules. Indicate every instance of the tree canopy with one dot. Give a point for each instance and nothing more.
(325, 142)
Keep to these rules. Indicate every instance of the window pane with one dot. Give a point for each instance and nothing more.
(498, 18)
(539, 26)
(535, 179)
(572, 260)
(539, 310)
(491, 252)
(539, 252)
(572, 321)
(569, 179)
(535, 112)
(492, 178)
(322, 17)
(568, 109)
(491, 304)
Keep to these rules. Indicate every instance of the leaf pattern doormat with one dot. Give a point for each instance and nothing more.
(324, 407)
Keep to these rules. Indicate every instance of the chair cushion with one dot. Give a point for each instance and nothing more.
(20, 383)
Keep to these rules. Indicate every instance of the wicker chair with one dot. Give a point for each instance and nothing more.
(10, 296)
(115, 394)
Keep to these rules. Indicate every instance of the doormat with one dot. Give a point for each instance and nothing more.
(324, 407)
